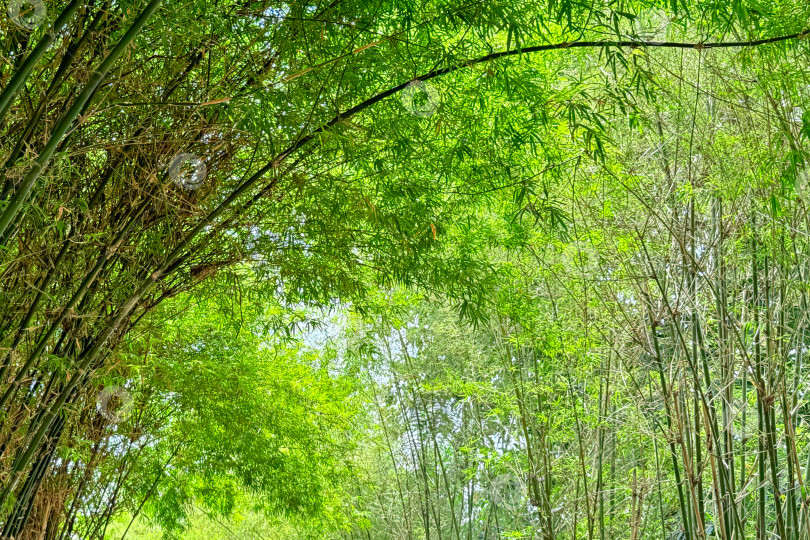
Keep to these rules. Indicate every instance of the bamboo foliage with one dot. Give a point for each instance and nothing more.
(685, 342)
(97, 232)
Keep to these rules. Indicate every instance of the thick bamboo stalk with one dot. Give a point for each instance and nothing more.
(17, 81)
(66, 121)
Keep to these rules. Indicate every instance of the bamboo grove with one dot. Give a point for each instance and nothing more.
(567, 242)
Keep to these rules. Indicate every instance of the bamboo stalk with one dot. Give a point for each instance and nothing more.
(17, 81)
(65, 122)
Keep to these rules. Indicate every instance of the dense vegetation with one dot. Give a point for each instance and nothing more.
(434, 269)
